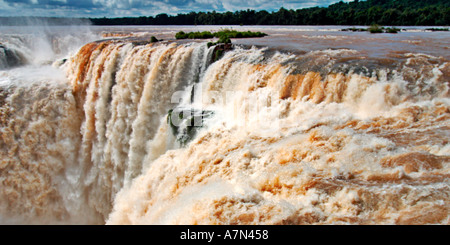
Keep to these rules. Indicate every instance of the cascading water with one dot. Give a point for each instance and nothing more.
(130, 132)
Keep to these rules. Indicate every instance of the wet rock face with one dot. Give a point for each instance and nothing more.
(185, 122)
(219, 50)
(9, 58)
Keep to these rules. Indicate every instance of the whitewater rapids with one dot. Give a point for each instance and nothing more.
(321, 137)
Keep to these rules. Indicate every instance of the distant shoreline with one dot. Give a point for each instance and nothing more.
(67, 21)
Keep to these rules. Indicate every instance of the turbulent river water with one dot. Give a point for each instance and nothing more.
(309, 125)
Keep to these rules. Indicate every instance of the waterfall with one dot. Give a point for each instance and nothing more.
(130, 132)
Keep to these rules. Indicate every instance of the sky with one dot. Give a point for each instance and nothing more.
(122, 8)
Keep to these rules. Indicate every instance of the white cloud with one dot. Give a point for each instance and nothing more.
(117, 8)
(121, 4)
(233, 5)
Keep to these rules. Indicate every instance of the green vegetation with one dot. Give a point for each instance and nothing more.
(437, 29)
(153, 39)
(223, 35)
(224, 39)
(374, 29)
(218, 55)
(180, 35)
(194, 35)
(377, 29)
(382, 12)
(353, 29)
(239, 34)
(391, 30)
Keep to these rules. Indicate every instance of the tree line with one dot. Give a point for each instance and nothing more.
(382, 12)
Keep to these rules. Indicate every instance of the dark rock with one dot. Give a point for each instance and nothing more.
(185, 122)
(219, 51)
